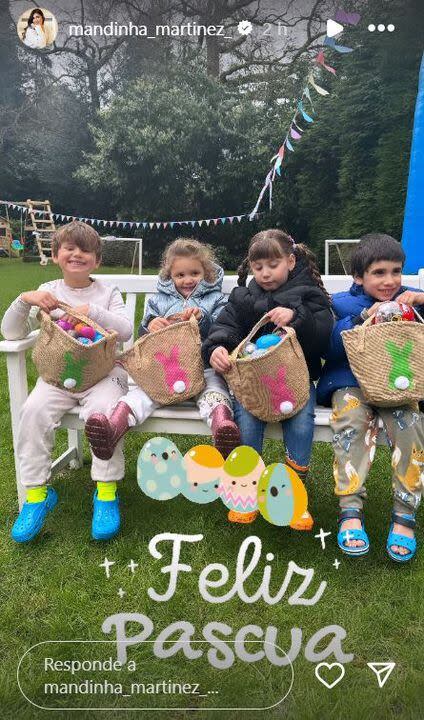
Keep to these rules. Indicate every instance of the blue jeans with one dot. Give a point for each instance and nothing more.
(298, 431)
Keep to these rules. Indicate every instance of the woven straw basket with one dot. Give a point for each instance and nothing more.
(387, 360)
(274, 386)
(62, 361)
(167, 364)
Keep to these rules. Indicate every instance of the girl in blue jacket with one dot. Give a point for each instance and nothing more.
(190, 283)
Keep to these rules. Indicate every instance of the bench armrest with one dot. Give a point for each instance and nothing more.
(17, 346)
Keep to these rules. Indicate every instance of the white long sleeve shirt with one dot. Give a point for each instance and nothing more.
(35, 37)
(106, 307)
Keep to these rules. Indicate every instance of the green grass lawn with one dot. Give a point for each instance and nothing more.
(54, 589)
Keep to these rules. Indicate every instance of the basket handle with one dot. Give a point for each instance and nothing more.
(70, 311)
(263, 321)
(420, 317)
(368, 322)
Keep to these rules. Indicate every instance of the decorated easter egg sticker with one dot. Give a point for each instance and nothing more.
(282, 497)
(239, 479)
(203, 465)
(161, 471)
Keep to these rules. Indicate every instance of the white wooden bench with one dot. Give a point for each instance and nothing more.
(178, 419)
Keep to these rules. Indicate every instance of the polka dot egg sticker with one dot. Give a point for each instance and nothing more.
(161, 473)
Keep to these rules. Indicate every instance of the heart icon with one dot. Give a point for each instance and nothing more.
(329, 667)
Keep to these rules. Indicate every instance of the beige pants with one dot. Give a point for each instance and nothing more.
(41, 415)
(355, 427)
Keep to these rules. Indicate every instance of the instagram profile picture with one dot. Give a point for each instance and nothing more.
(37, 28)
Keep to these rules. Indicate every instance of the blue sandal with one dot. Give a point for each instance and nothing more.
(344, 536)
(404, 541)
(31, 518)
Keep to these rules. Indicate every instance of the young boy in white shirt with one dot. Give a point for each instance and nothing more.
(76, 249)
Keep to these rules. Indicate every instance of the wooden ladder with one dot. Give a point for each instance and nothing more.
(42, 226)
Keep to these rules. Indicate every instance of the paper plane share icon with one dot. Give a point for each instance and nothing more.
(382, 671)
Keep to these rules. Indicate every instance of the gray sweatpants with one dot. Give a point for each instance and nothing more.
(355, 427)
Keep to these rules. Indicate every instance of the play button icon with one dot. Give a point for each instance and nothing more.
(333, 28)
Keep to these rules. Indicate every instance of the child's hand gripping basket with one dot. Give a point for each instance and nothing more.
(387, 361)
(167, 364)
(64, 362)
(273, 386)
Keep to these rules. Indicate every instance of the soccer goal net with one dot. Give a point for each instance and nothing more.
(337, 256)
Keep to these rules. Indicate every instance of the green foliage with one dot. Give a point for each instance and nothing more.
(174, 147)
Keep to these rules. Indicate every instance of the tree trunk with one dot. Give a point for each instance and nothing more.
(212, 56)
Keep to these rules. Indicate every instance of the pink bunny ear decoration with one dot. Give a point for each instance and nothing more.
(282, 398)
(176, 377)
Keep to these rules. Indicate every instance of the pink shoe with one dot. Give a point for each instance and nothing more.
(103, 433)
(226, 435)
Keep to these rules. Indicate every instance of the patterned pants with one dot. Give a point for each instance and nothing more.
(355, 427)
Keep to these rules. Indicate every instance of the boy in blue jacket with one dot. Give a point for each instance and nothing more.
(376, 266)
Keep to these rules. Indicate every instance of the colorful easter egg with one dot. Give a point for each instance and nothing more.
(64, 324)
(87, 332)
(79, 326)
(266, 341)
(239, 479)
(98, 336)
(282, 497)
(203, 464)
(84, 341)
(161, 472)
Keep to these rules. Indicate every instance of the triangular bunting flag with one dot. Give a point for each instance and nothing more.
(320, 59)
(348, 18)
(294, 134)
(339, 48)
(318, 88)
(304, 113)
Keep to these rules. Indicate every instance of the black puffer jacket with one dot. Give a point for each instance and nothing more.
(313, 320)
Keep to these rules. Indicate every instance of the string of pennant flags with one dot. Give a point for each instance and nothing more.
(295, 129)
(135, 224)
(294, 134)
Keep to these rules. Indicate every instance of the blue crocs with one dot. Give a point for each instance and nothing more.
(106, 518)
(345, 536)
(31, 518)
(404, 541)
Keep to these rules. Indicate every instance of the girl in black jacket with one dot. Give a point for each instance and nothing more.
(287, 286)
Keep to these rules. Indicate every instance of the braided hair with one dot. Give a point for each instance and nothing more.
(274, 244)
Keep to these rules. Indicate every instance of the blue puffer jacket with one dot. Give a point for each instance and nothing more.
(336, 372)
(168, 301)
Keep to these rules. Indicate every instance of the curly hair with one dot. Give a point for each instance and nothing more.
(187, 247)
(273, 244)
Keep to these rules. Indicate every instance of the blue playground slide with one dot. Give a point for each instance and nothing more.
(413, 221)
